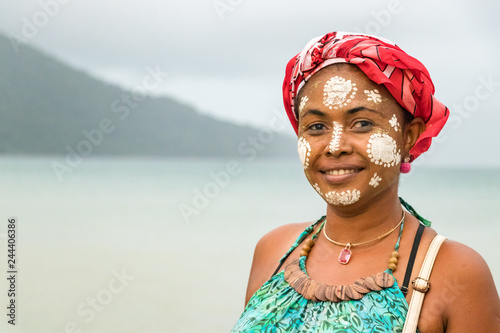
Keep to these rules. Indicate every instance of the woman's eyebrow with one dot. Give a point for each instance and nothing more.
(362, 108)
(314, 112)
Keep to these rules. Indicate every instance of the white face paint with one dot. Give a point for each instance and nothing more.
(304, 149)
(336, 135)
(394, 123)
(343, 198)
(303, 102)
(316, 187)
(373, 96)
(383, 150)
(375, 180)
(338, 92)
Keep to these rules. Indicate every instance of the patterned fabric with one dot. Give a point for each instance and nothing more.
(383, 62)
(276, 307)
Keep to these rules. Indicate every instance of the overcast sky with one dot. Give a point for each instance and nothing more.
(227, 57)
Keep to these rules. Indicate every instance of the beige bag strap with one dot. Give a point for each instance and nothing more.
(421, 285)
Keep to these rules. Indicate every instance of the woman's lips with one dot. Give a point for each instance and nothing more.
(340, 175)
(340, 172)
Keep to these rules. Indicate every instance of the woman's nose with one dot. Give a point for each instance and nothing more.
(338, 144)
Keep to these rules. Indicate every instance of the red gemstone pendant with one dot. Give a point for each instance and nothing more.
(345, 255)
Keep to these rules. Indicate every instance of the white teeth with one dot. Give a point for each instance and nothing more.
(340, 172)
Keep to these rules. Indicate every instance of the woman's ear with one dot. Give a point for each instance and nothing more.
(412, 132)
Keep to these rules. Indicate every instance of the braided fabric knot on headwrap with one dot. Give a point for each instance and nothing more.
(383, 62)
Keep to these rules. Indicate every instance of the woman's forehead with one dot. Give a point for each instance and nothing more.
(345, 72)
(342, 87)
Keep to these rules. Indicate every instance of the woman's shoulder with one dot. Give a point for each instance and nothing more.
(274, 244)
(463, 290)
(269, 250)
(282, 238)
(457, 263)
(465, 269)
(460, 261)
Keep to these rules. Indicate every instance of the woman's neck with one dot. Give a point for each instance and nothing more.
(359, 223)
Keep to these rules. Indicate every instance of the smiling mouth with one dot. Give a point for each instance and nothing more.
(341, 172)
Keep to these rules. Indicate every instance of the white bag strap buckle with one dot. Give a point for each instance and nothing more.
(421, 285)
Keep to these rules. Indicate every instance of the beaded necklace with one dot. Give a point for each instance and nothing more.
(296, 275)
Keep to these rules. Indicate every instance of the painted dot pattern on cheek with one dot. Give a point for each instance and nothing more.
(343, 198)
(373, 96)
(338, 92)
(394, 123)
(304, 149)
(382, 150)
(316, 187)
(375, 181)
(336, 135)
(303, 102)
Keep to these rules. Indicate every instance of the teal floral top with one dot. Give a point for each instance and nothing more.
(276, 307)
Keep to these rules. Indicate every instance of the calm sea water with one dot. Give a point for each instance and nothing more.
(166, 246)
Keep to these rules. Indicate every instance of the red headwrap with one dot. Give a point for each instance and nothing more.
(383, 62)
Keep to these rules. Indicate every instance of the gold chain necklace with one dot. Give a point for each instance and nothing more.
(345, 254)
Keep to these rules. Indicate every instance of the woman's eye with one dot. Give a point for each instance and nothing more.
(316, 127)
(363, 124)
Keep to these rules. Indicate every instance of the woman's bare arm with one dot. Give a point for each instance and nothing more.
(463, 291)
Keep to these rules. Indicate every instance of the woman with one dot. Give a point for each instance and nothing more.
(363, 111)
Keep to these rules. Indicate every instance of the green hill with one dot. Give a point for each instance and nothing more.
(47, 107)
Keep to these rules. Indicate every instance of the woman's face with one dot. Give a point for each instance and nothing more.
(351, 139)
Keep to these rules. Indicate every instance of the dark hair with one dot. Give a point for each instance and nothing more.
(407, 116)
